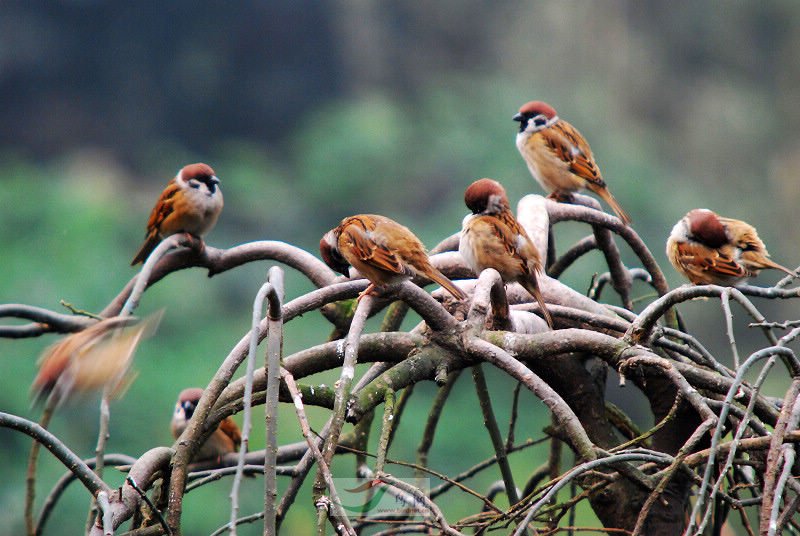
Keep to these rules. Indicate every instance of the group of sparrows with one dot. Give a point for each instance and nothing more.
(703, 247)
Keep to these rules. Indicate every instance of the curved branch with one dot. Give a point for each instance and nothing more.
(578, 250)
(45, 321)
(489, 298)
(68, 478)
(75, 464)
(144, 472)
(428, 308)
(564, 212)
(448, 244)
(220, 260)
(584, 467)
(486, 351)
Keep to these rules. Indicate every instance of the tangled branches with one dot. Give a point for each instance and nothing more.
(716, 436)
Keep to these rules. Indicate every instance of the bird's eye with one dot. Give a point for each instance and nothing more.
(194, 183)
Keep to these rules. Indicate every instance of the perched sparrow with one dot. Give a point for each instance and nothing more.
(382, 250)
(226, 438)
(708, 249)
(190, 203)
(97, 357)
(491, 237)
(558, 157)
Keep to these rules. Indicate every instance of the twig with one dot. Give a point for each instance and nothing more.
(272, 366)
(398, 411)
(420, 496)
(486, 351)
(512, 421)
(199, 425)
(100, 447)
(33, 457)
(762, 354)
(241, 521)
(494, 433)
(45, 321)
(449, 482)
(434, 415)
(636, 440)
(383, 441)
(582, 468)
(670, 472)
(143, 278)
(80, 312)
(201, 478)
(145, 471)
(600, 281)
(579, 249)
(105, 509)
(61, 485)
(58, 449)
(312, 445)
(789, 420)
(489, 298)
(343, 386)
(562, 212)
(272, 290)
(740, 430)
(788, 463)
(221, 260)
(161, 521)
(724, 299)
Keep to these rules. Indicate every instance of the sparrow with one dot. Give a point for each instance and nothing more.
(191, 203)
(709, 249)
(491, 237)
(558, 156)
(226, 438)
(382, 250)
(97, 357)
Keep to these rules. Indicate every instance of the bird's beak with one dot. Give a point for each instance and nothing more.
(518, 117)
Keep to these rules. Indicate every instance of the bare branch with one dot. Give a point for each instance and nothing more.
(144, 472)
(87, 477)
(219, 260)
(46, 321)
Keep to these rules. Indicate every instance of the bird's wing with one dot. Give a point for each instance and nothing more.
(703, 262)
(370, 251)
(230, 429)
(568, 144)
(163, 208)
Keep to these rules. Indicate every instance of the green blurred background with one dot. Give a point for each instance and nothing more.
(312, 111)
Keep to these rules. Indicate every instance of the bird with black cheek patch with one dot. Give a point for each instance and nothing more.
(191, 203)
(491, 237)
(559, 157)
(382, 250)
(225, 439)
(708, 249)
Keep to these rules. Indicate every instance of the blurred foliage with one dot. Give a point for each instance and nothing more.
(310, 112)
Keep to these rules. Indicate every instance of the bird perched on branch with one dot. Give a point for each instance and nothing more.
(226, 438)
(709, 249)
(491, 237)
(191, 203)
(559, 157)
(382, 250)
(95, 358)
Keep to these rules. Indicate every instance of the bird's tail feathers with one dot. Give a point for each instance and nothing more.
(441, 279)
(532, 287)
(605, 194)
